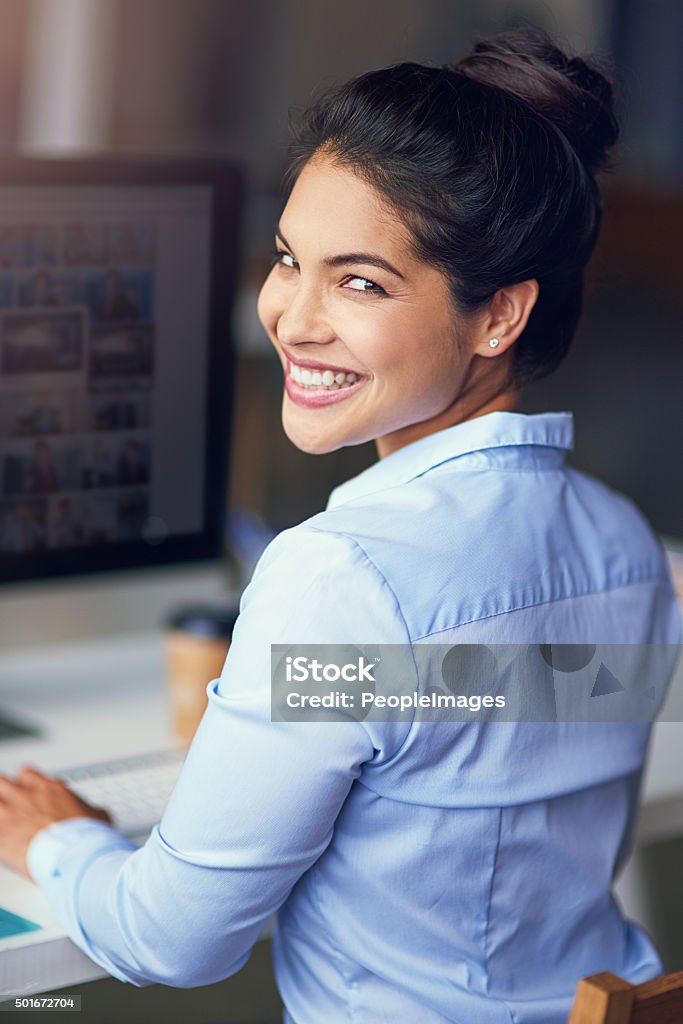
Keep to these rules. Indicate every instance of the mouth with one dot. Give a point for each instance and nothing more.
(312, 384)
(316, 375)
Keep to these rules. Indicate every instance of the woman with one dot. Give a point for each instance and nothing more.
(428, 263)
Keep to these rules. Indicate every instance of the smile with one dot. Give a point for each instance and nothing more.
(327, 379)
(319, 387)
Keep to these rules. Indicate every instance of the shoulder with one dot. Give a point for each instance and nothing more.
(312, 552)
(619, 528)
(314, 584)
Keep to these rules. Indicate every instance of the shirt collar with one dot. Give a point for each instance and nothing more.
(493, 430)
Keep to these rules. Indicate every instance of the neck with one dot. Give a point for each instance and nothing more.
(465, 408)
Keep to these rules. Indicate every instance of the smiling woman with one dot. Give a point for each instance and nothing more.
(428, 263)
(324, 315)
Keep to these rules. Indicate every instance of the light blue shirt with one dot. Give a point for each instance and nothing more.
(420, 871)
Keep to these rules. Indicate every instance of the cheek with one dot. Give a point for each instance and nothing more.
(417, 352)
(268, 307)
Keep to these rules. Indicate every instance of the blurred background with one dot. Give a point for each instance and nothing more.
(218, 77)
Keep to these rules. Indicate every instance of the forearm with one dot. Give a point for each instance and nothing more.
(143, 914)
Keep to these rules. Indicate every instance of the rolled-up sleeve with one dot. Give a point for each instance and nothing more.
(256, 801)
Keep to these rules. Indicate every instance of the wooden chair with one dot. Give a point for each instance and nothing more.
(607, 999)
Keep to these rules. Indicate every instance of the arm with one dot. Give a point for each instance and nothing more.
(256, 802)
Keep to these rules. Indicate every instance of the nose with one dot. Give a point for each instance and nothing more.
(303, 318)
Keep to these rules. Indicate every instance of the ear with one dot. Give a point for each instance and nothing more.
(509, 311)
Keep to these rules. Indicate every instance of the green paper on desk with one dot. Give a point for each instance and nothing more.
(12, 924)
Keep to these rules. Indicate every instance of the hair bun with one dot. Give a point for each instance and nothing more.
(575, 94)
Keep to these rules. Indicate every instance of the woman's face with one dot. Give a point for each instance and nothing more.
(364, 331)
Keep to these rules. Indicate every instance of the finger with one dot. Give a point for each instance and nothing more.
(29, 776)
(8, 789)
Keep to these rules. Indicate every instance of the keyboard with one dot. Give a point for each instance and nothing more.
(135, 790)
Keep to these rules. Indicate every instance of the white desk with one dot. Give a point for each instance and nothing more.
(123, 710)
(93, 700)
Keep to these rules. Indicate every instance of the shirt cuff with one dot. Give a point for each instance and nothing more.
(47, 848)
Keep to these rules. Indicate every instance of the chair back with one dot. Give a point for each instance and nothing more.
(606, 999)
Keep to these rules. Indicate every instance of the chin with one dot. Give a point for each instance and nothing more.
(310, 444)
(307, 436)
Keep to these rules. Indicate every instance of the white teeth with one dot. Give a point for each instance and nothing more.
(327, 379)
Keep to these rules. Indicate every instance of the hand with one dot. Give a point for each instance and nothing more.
(30, 803)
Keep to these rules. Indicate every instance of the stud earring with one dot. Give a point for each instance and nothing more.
(494, 342)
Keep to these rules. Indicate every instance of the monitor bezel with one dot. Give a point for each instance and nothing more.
(225, 180)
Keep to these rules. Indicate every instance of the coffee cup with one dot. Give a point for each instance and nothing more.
(197, 643)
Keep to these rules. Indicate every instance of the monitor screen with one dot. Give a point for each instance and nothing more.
(115, 363)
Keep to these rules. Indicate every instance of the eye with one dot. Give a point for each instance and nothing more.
(280, 257)
(367, 287)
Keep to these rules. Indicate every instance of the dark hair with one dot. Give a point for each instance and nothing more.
(490, 163)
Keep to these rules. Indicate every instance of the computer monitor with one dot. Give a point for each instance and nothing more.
(116, 283)
(117, 278)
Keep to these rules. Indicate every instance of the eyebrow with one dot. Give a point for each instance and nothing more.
(368, 258)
